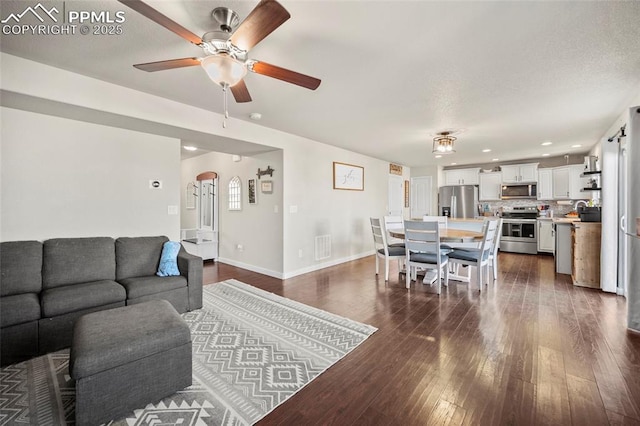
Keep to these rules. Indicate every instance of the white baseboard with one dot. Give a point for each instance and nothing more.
(252, 268)
(301, 271)
(328, 264)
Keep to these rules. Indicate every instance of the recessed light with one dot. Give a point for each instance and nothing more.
(545, 155)
(547, 143)
(255, 116)
(495, 159)
(576, 146)
(453, 164)
(486, 150)
(438, 156)
(190, 148)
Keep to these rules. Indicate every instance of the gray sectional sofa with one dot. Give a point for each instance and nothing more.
(46, 286)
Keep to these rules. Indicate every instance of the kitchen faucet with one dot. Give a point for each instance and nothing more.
(575, 206)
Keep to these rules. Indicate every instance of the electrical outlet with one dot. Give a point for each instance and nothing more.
(300, 253)
(240, 247)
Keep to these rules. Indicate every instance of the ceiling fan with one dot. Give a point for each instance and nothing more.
(226, 49)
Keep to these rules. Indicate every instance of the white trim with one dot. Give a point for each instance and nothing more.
(297, 272)
(253, 268)
(323, 265)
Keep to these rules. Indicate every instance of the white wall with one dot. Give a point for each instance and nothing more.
(257, 227)
(322, 210)
(66, 178)
(307, 164)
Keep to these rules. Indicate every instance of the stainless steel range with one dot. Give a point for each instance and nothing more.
(519, 233)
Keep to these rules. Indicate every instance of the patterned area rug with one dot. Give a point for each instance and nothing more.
(251, 351)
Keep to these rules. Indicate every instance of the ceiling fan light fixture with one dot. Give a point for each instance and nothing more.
(443, 143)
(224, 70)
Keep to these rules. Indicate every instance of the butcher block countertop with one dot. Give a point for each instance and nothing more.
(565, 219)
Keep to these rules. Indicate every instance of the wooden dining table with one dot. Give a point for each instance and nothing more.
(447, 235)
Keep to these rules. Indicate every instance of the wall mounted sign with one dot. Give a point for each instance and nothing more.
(406, 193)
(266, 186)
(395, 169)
(348, 176)
(252, 191)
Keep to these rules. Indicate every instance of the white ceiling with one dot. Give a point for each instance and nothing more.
(511, 74)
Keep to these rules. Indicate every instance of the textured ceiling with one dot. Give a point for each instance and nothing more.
(511, 74)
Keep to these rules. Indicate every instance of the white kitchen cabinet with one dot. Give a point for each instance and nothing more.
(546, 236)
(560, 183)
(490, 186)
(516, 173)
(545, 184)
(567, 182)
(461, 176)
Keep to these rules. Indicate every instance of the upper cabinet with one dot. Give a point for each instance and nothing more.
(461, 176)
(567, 182)
(545, 184)
(517, 173)
(490, 184)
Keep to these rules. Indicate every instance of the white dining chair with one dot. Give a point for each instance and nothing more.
(422, 248)
(495, 246)
(442, 220)
(480, 257)
(383, 249)
(390, 223)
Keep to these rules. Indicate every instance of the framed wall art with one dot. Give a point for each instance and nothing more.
(348, 176)
(252, 191)
(266, 186)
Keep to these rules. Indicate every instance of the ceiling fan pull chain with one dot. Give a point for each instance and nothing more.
(226, 112)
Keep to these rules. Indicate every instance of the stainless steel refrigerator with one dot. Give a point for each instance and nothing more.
(458, 201)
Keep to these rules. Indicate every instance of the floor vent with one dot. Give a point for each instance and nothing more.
(323, 247)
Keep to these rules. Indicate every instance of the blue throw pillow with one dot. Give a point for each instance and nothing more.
(169, 259)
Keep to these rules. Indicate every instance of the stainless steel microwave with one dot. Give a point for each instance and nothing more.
(519, 190)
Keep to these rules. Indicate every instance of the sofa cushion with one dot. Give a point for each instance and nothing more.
(20, 267)
(72, 298)
(138, 256)
(144, 286)
(78, 260)
(19, 308)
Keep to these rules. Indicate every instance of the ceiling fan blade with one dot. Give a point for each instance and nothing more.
(157, 17)
(285, 75)
(262, 21)
(240, 92)
(167, 65)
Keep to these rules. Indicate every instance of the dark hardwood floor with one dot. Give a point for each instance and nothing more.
(530, 350)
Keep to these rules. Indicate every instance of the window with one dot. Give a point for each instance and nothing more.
(235, 193)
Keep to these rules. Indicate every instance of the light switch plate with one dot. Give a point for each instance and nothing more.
(172, 210)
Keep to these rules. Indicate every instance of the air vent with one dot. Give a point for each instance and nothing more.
(323, 247)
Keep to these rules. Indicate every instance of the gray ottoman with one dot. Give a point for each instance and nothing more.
(124, 358)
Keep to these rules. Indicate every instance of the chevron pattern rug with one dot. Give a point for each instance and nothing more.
(252, 350)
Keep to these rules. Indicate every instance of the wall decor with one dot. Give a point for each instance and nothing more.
(406, 193)
(269, 171)
(395, 169)
(252, 191)
(235, 194)
(190, 196)
(348, 176)
(266, 186)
